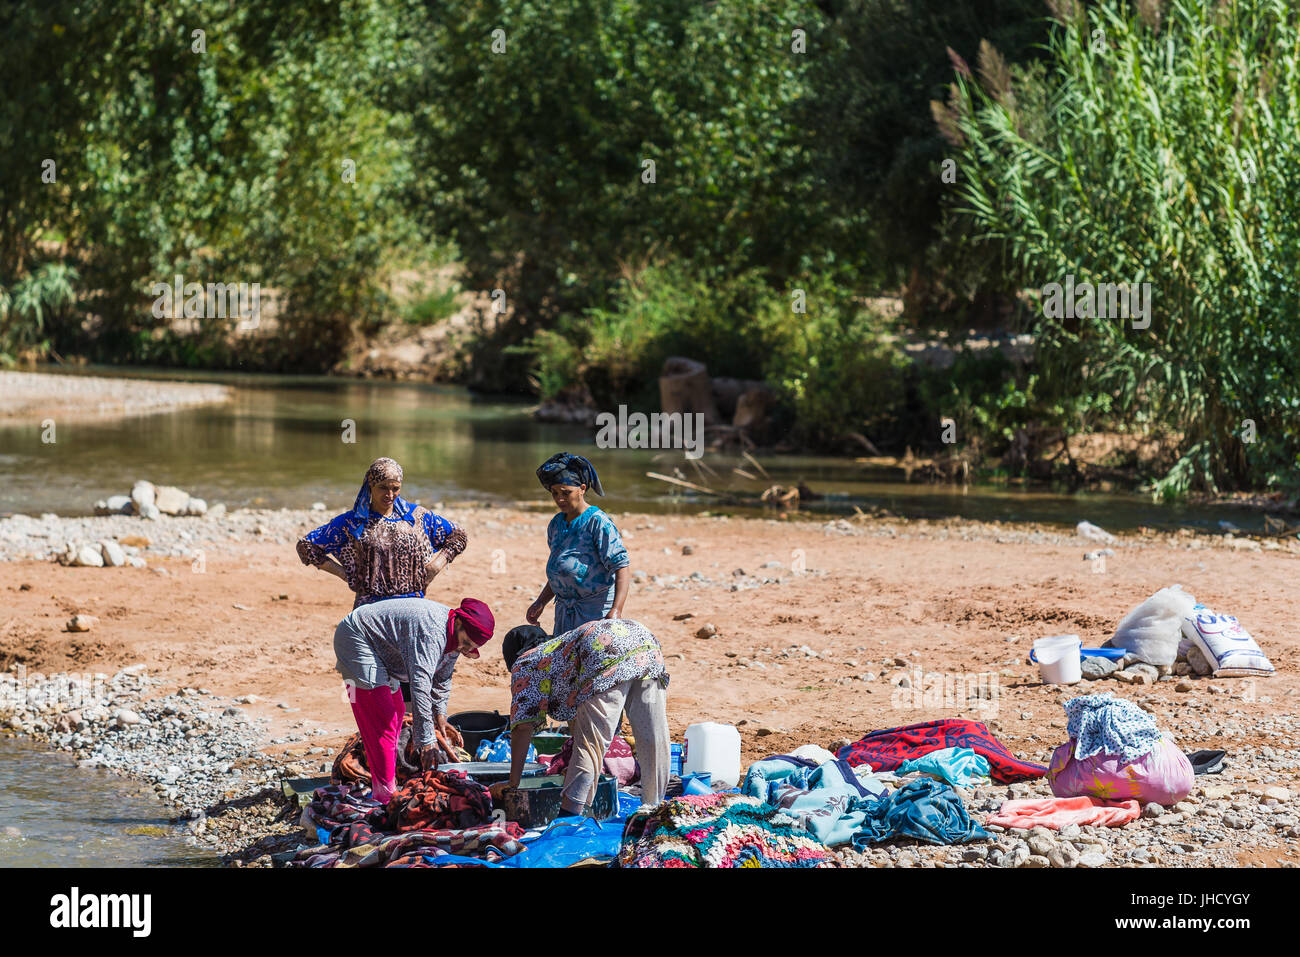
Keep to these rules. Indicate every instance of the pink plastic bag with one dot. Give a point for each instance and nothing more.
(1164, 776)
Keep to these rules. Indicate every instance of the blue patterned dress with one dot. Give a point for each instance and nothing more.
(585, 554)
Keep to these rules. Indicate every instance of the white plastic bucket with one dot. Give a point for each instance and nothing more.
(714, 749)
(1058, 659)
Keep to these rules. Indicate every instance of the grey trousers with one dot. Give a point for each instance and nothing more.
(594, 727)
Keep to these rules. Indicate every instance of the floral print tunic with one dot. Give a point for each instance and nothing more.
(559, 675)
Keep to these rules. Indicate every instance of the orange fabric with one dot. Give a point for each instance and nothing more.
(1056, 813)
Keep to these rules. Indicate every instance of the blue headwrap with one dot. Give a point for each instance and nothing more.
(380, 470)
(564, 468)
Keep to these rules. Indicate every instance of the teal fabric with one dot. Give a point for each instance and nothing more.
(959, 766)
(927, 810)
(822, 797)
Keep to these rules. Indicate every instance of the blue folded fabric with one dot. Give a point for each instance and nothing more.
(927, 810)
(820, 796)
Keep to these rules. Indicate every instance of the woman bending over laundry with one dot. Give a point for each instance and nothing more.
(385, 547)
(587, 677)
(406, 639)
(587, 573)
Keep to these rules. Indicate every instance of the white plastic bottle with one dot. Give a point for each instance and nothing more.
(714, 749)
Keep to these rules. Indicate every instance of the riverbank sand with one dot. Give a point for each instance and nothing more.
(819, 627)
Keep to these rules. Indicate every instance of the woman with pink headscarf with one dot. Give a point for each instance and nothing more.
(383, 643)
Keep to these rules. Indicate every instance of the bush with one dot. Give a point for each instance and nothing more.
(1157, 160)
(830, 365)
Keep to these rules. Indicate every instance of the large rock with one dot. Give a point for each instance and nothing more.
(196, 506)
(217, 511)
(142, 494)
(172, 500)
(1094, 668)
(1196, 661)
(151, 512)
(82, 623)
(114, 555)
(1093, 532)
(89, 556)
(1144, 669)
(114, 505)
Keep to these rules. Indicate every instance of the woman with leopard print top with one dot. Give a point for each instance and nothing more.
(385, 547)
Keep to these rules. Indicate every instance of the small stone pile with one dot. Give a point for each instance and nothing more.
(153, 501)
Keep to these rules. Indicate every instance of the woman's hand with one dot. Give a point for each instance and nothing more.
(429, 757)
(333, 568)
(448, 732)
(435, 565)
(535, 610)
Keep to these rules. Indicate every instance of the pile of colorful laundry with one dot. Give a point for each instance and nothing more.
(438, 819)
(897, 783)
(718, 830)
(350, 764)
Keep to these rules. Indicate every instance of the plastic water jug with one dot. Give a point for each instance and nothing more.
(714, 749)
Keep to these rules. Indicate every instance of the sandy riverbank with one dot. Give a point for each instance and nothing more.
(817, 623)
(37, 396)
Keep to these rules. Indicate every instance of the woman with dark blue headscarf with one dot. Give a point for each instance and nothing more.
(588, 571)
(385, 547)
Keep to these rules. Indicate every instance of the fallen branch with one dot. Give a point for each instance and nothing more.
(684, 484)
(754, 462)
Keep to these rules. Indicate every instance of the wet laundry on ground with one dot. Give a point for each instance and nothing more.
(927, 810)
(718, 830)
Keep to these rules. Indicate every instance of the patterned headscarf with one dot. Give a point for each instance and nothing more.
(381, 470)
(564, 468)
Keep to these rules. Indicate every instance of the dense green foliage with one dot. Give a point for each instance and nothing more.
(637, 179)
(217, 156)
(1161, 160)
(829, 360)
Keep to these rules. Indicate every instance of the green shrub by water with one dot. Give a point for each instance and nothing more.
(829, 364)
(1163, 155)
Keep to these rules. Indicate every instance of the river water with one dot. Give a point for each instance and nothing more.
(54, 814)
(281, 442)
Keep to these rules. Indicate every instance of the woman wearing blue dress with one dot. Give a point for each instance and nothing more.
(587, 573)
